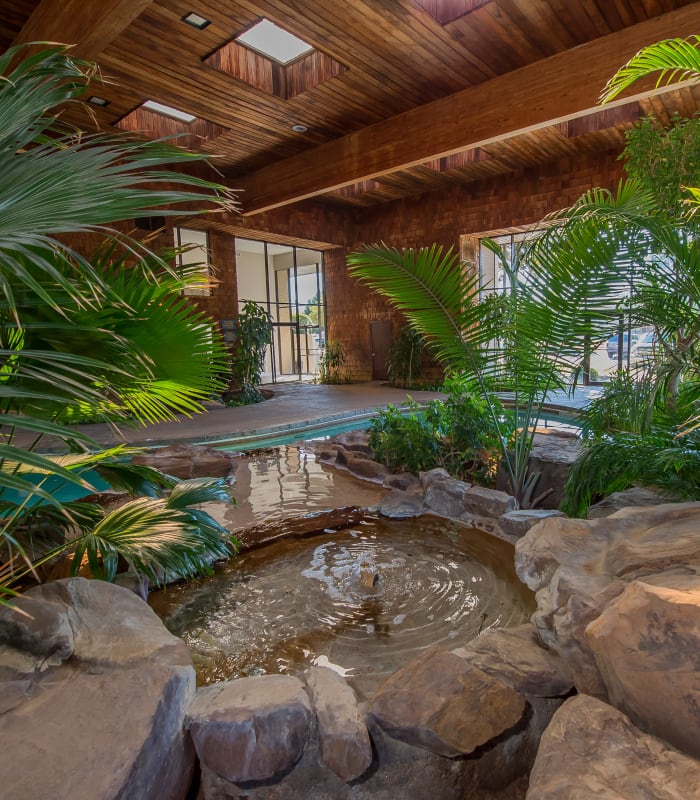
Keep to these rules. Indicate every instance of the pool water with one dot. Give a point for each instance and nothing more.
(296, 602)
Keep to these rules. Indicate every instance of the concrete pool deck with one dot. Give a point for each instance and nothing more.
(294, 407)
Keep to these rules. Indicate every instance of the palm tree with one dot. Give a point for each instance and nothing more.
(77, 333)
(674, 60)
(526, 342)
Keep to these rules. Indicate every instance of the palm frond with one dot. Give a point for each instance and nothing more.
(674, 60)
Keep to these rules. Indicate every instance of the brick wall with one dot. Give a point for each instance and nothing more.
(515, 200)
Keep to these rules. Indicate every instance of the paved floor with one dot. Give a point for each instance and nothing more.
(293, 407)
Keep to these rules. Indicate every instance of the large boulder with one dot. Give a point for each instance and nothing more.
(638, 496)
(591, 750)
(488, 502)
(400, 505)
(518, 658)
(578, 567)
(646, 645)
(189, 461)
(343, 738)
(251, 729)
(102, 711)
(446, 496)
(442, 703)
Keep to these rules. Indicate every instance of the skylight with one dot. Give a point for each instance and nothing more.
(168, 111)
(274, 42)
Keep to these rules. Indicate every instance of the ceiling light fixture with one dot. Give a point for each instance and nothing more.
(196, 20)
(299, 128)
(98, 101)
(169, 111)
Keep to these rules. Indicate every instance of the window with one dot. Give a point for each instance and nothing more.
(193, 258)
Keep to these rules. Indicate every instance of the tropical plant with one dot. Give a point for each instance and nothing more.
(526, 341)
(88, 334)
(252, 335)
(330, 363)
(673, 60)
(403, 363)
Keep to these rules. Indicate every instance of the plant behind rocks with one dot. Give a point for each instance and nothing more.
(456, 434)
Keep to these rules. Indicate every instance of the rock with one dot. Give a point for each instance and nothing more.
(635, 496)
(362, 467)
(488, 502)
(38, 627)
(400, 505)
(251, 729)
(578, 567)
(432, 475)
(189, 461)
(591, 750)
(402, 481)
(442, 703)
(646, 645)
(518, 523)
(327, 453)
(122, 694)
(446, 496)
(517, 657)
(353, 440)
(343, 738)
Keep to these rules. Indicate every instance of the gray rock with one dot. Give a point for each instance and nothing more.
(108, 722)
(646, 645)
(446, 496)
(432, 475)
(37, 627)
(518, 523)
(400, 505)
(402, 481)
(591, 750)
(343, 738)
(442, 703)
(635, 496)
(488, 502)
(518, 658)
(251, 729)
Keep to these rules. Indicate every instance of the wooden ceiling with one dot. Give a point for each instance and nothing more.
(427, 92)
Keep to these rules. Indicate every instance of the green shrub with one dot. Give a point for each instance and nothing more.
(330, 363)
(457, 434)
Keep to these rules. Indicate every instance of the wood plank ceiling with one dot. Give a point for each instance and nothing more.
(396, 57)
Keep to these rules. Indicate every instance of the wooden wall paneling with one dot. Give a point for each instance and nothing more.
(564, 86)
(90, 25)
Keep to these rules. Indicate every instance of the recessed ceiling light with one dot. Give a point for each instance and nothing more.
(299, 128)
(196, 20)
(274, 42)
(98, 101)
(169, 111)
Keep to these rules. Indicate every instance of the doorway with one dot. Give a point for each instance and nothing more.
(380, 331)
(288, 282)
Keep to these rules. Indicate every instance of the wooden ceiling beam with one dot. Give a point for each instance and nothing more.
(89, 25)
(559, 88)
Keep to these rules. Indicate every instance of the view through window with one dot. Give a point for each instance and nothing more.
(288, 282)
(629, 347)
